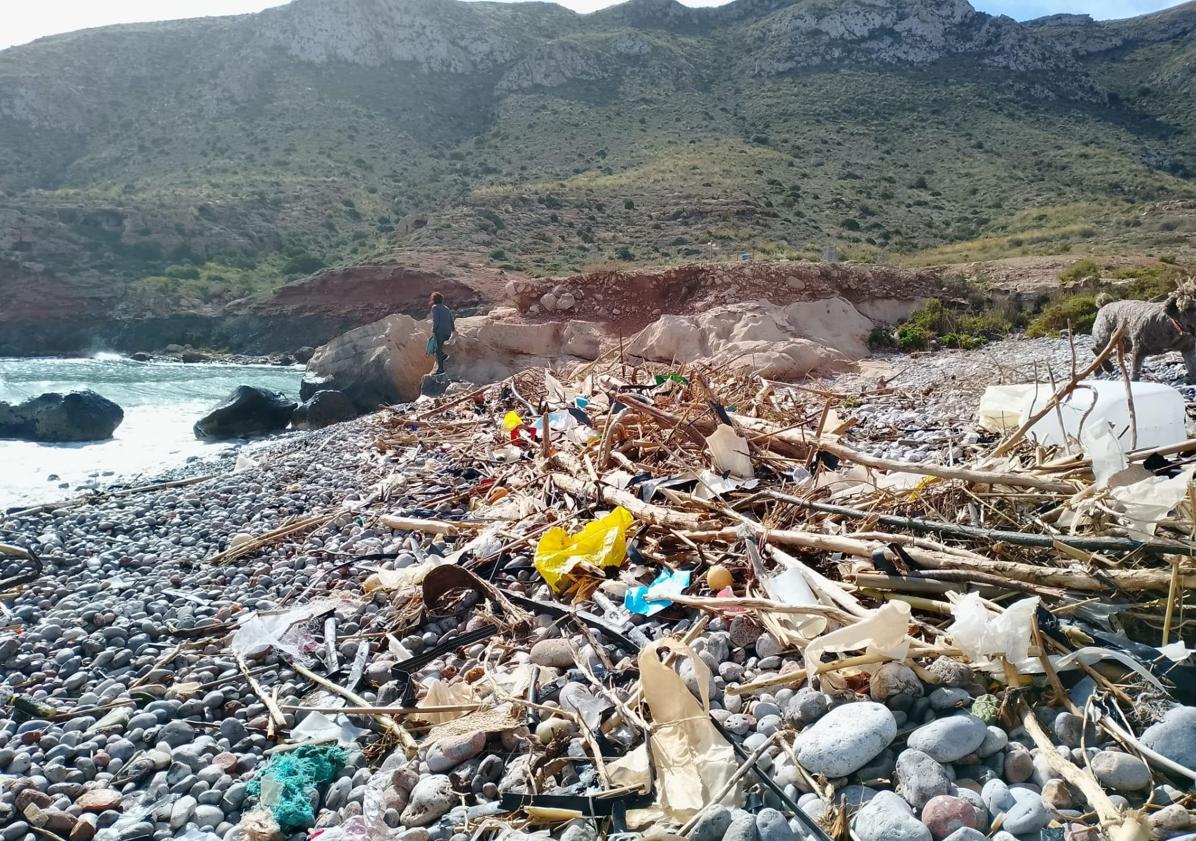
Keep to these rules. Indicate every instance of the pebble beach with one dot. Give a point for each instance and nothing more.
(151, 729)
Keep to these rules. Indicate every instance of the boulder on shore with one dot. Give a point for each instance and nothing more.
(379, 363)
(784, 343)
(323, 409)
(60, 418)
(246, 412)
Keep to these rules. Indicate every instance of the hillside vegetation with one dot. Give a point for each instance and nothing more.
(199, 162)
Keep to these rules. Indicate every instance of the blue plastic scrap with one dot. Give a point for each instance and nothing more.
(667, 584)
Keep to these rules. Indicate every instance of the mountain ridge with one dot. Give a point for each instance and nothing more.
(194, 166)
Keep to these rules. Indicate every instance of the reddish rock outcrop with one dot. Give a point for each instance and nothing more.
(368, 293)
(43, 314)
(629, 300)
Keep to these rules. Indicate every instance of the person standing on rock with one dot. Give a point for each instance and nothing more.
(442, 330)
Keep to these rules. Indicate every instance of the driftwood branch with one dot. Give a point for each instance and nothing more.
(614, 496)
(1045, 541)
(1126, 579)
(1013, 440)
(978, 477)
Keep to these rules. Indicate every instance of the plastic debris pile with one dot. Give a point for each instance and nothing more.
(686, 606)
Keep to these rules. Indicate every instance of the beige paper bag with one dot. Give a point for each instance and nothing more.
(692, 760)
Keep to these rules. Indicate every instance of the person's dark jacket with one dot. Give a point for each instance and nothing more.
(442, 323)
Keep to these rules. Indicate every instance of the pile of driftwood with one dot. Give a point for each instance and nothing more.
(1017, 521)
(1035, 568)
(585, 548)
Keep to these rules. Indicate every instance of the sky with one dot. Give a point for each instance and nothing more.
(22, 22)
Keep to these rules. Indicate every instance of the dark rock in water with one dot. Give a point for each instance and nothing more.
(304, 354)
(310, 386)
(58, 418)
(324, 408)
(193, 356)
(283, 359)
(248, 411)
(140, 356)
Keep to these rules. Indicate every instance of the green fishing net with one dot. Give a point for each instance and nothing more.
(296, 774)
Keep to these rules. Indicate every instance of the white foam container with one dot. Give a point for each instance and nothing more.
(1001, 406)
(1158, 412)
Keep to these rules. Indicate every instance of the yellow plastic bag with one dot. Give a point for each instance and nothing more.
(511, 421)
(602, 543)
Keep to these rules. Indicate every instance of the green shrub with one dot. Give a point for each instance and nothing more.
(1079, 271)
(493, 218)
(1077, 312)
(931, 319)
(1149, 282)
(962, 341)
(881, 338)
(936, 323)
(182, 272)
(990, 324)
(912, 337)
(302, 264)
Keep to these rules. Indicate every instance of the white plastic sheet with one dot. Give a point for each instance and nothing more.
(1000, 407)
(791, 588)
(1147, 502)
(883, 632)
(1177, 652)
(729, 453)
(400, 579)
(443, 694)
(1108, 459)
(486, 543)
(554, 393)
(134, 813)
(1091, 655)
(982, 635)
(282, 631)
(317, 727)
(711, 485)
(245, 462)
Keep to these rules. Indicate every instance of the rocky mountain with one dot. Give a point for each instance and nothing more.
(198, 166)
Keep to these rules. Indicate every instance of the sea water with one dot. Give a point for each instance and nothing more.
(161, 401)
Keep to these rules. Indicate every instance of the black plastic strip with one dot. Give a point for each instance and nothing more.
(588, 806)
(814, 829)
